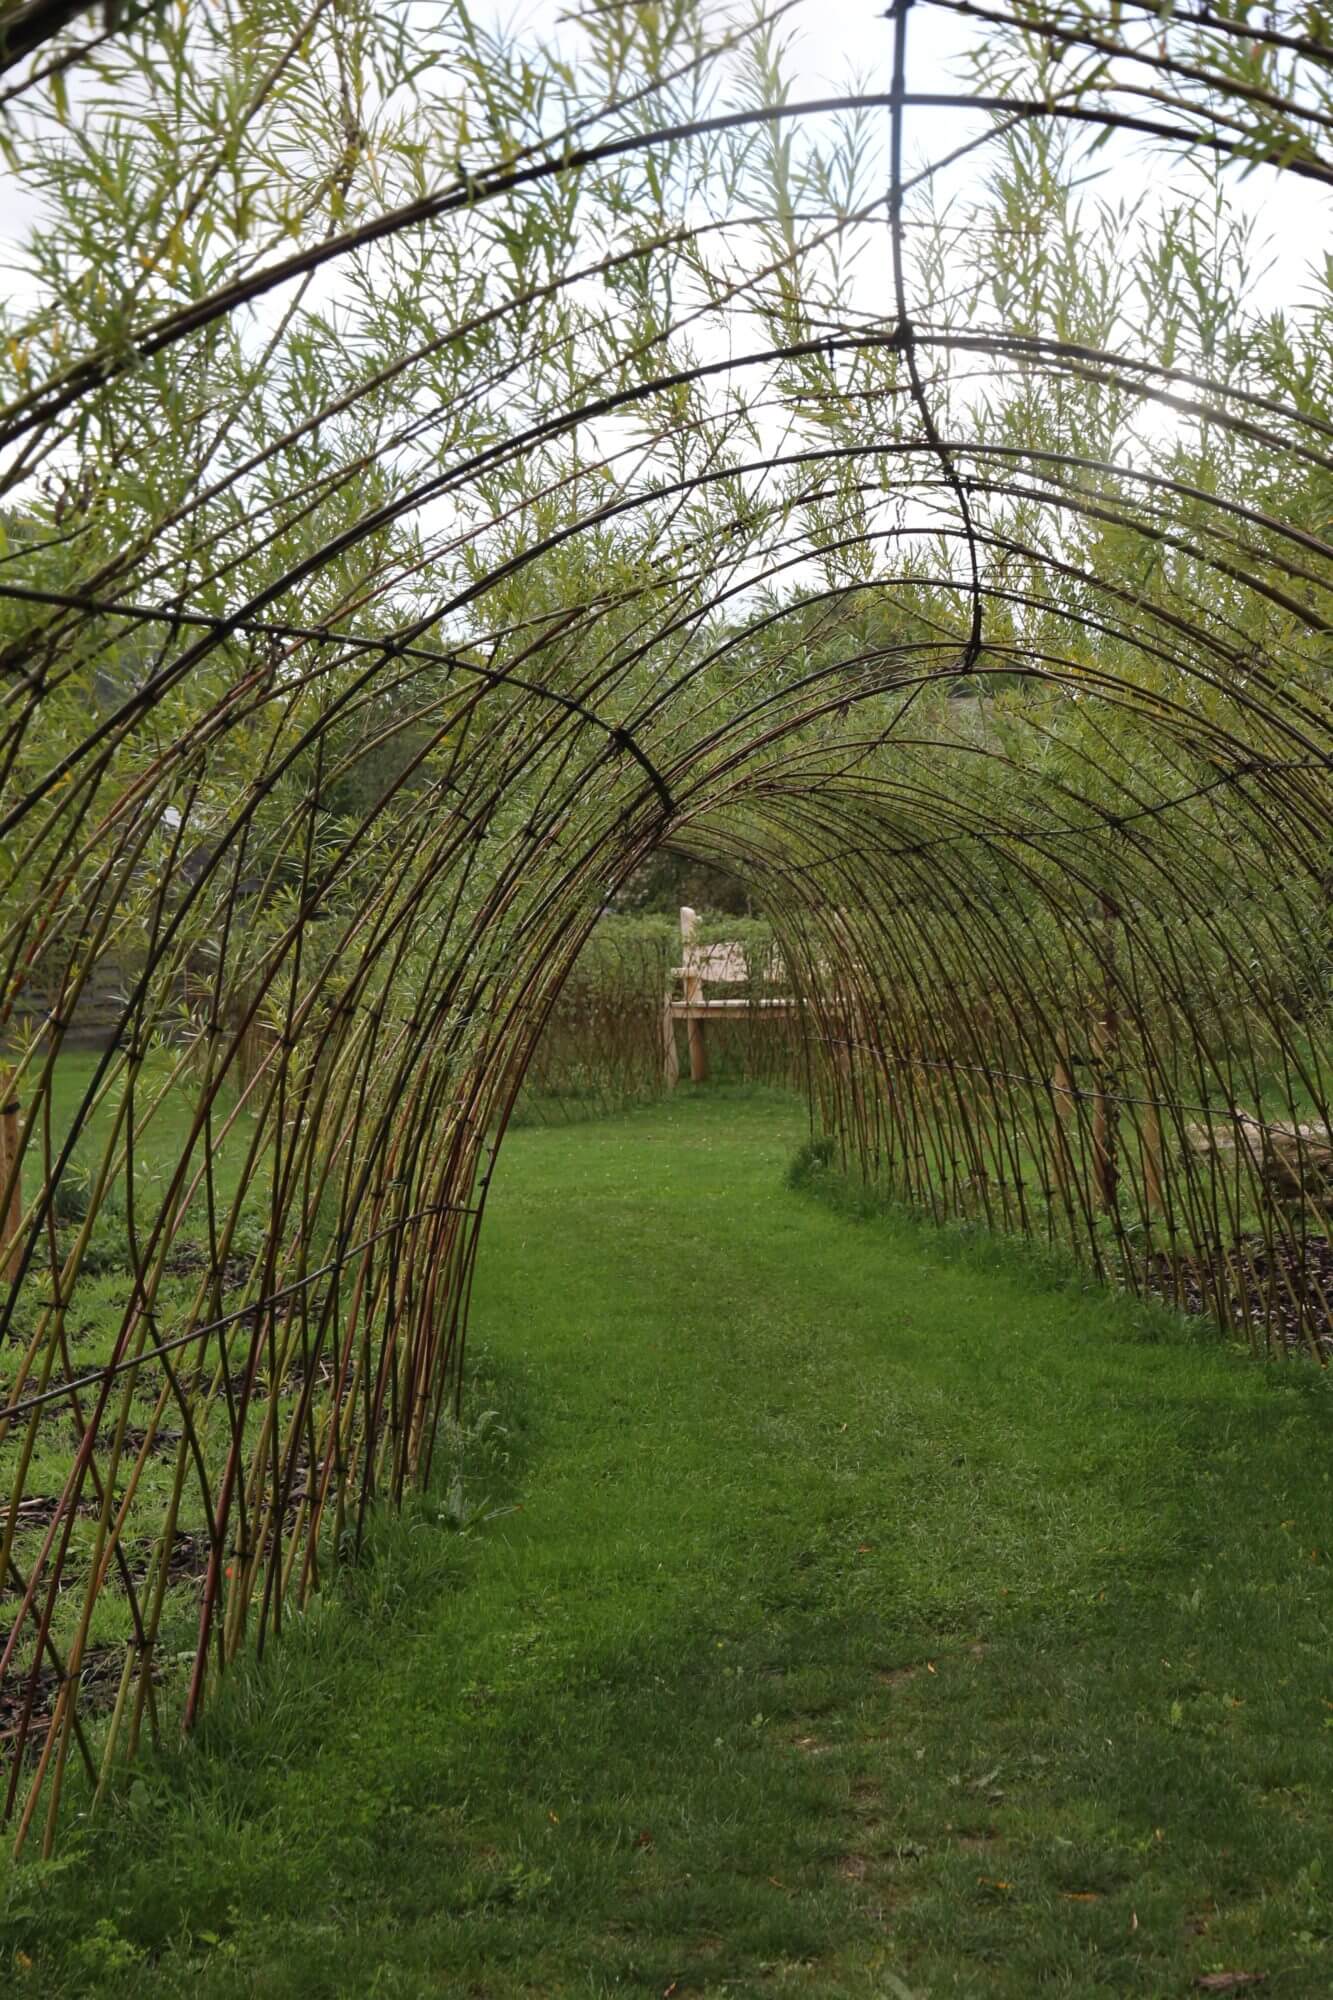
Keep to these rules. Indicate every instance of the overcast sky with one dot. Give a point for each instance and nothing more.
(832, 40)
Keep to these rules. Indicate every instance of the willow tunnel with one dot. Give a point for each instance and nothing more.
(442, 469)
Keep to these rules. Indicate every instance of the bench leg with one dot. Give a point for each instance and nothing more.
(670, 1060)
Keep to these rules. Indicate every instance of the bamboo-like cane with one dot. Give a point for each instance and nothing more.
(11, 1194)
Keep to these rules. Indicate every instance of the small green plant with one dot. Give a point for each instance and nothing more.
(458, 1512)
(72, 1194)
(463, 1446)
(105, 1952)
(811, 1160)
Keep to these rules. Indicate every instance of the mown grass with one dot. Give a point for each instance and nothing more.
(878, 1615)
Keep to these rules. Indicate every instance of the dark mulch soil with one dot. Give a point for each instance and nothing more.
(40, 1509)
(187, 1562)
(186, 1260)
(296, 1374)
(136, 1436)
(1281, 1293)
(99, 1677)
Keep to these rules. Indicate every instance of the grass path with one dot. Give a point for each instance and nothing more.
(875, 1620)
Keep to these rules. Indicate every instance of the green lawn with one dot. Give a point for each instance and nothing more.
(874, 1618)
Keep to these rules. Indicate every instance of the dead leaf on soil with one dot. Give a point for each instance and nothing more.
(1228, 1982)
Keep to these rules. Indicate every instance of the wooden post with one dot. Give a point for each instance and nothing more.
(12, 1211)
(1105, 1168)
(1062, 1090)
(670, 1060)
(1153, 1163)
(1105, 1039)
(694, 997)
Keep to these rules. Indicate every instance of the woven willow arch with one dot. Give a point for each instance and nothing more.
(387, 399)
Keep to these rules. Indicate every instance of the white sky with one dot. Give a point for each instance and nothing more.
(830, 41)
(834, 41)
